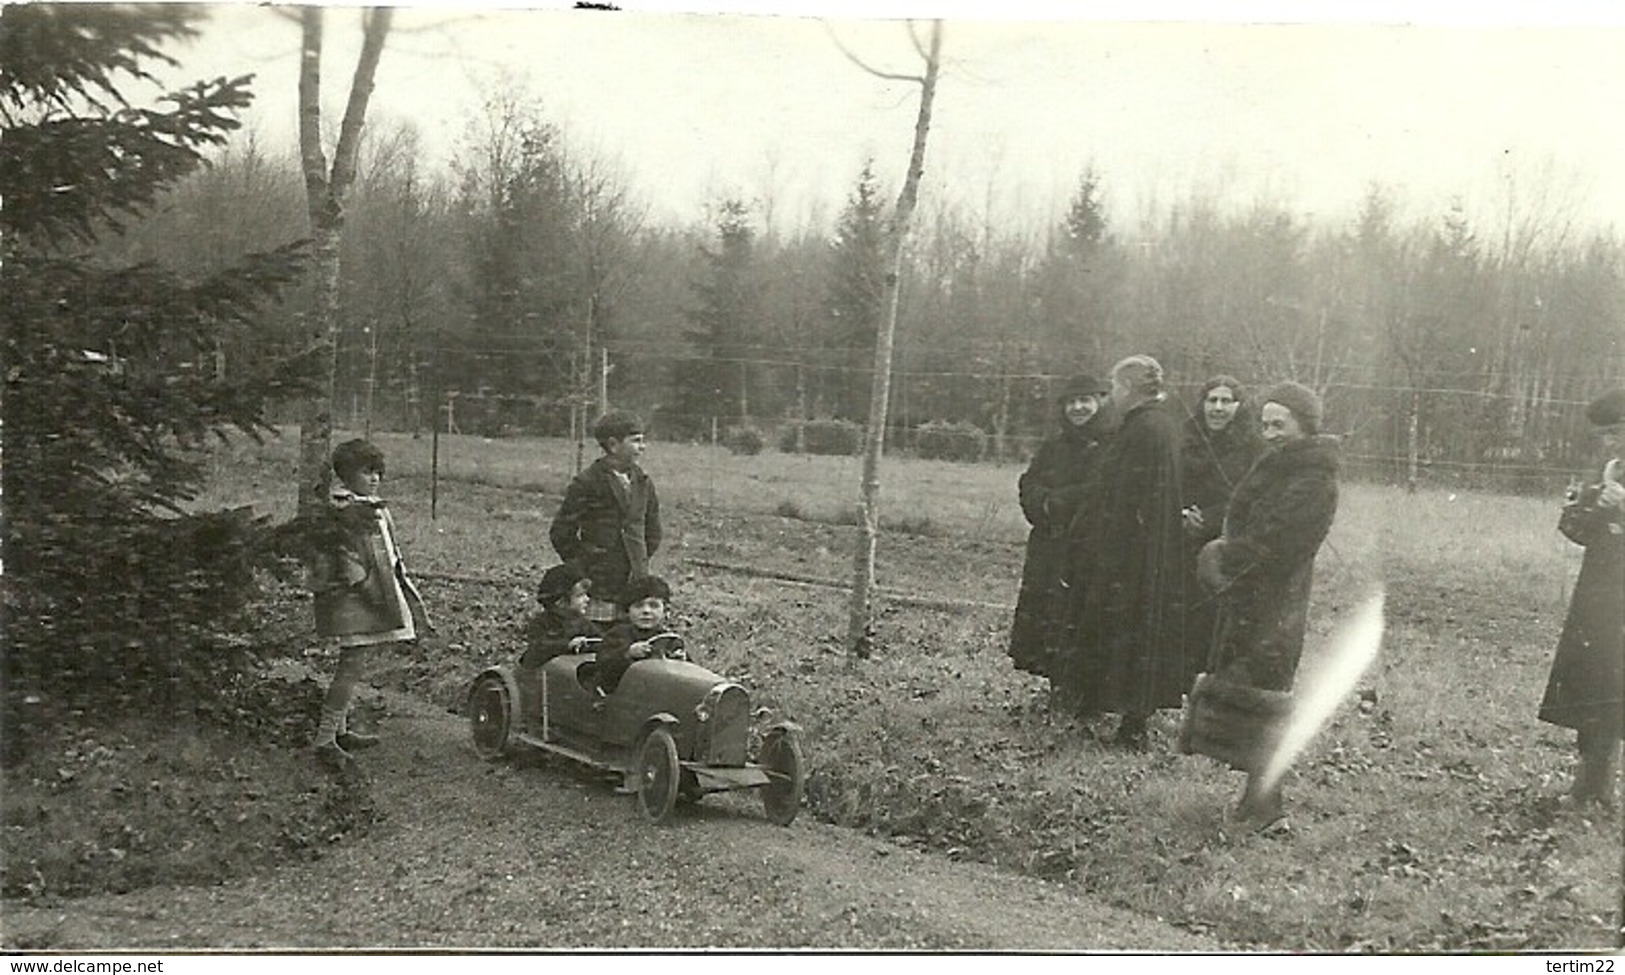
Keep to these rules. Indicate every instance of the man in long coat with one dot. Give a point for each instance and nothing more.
(1128, 646)
(1586, 689)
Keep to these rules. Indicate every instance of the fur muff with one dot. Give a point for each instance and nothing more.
(1231, 722)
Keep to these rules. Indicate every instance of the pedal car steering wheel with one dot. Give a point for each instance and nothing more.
(666, 646)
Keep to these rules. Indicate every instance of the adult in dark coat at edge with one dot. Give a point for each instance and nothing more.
(1586, 688)
(1263, 568)
(1221, 444)
(1051, 490)
(1126, 654)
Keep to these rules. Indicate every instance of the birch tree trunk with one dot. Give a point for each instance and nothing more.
(860, 632)
(325, 193)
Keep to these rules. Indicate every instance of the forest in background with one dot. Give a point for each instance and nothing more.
(521, 286)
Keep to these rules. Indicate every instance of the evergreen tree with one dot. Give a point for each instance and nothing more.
(853, 302)
(716, 382)
(116, 591)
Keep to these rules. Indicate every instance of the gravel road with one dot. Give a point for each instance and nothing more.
(537, 854)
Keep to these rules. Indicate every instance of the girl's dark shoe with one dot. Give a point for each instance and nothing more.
(333, 757)
(356, 741)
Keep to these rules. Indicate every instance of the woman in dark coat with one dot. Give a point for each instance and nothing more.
(1263, 568)
(1586, 689)
(1127, 651)
(1221, 444)
(1051, 490)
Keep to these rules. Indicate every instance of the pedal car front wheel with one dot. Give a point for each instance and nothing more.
(658, 776)
(786, 766)
(490, 717)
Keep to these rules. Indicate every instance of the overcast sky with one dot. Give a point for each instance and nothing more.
(695, 107)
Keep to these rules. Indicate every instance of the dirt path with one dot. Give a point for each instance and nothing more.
(535, 854)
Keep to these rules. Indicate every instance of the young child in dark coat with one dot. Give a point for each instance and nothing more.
(645, 600)
(561, 625)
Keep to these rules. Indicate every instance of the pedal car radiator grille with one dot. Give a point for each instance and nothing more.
(723, 735)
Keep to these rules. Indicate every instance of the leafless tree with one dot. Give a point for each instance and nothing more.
(326, 189)
(860, 632)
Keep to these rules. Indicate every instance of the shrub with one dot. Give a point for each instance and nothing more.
(790, 509)
(744, 440)
(958, 441)
(829, 437)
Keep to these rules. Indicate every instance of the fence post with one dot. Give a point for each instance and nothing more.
(434, 462)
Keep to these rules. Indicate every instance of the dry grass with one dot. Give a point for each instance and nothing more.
(1425, 822)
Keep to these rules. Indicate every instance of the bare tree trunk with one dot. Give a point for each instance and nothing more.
(860, 632)
(325, 192)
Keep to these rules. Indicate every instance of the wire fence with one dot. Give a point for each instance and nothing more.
(1468, 430)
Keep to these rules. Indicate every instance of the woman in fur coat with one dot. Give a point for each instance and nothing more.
(1262, 566)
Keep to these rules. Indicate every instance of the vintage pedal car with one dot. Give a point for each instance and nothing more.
(673, 728)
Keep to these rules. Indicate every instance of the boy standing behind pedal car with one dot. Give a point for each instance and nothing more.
(609, 521)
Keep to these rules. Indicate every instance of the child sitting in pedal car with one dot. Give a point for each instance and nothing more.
(644, 601)
(561, 625)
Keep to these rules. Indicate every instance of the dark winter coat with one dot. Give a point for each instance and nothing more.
(548, 634)
(1126, 651)
(608, 529)
(1586, 689)
(1051, 491)
(615, 652)
(1211, 465)
(1279, 515)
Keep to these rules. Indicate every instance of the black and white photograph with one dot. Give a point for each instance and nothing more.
(809, 479)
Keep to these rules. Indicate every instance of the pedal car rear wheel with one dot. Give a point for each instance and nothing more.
(782, 758)
(658, 776)
(490, 717)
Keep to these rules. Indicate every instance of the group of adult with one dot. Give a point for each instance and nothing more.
(1172, 556)
(1167, 548)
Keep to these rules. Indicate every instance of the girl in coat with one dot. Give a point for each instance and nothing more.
(1262, 566)
(363, 595)
(1586, 689)
(1051, 491)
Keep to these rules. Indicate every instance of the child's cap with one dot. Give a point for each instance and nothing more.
(645, 587)
(558, 582)
(616, 425)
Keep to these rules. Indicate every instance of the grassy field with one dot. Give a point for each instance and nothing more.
(1423, 821)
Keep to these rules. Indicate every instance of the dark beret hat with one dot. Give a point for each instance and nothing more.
(1607, 409)
(1083, 384)
(640, 588)
(1301, 400)
(558, 581)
